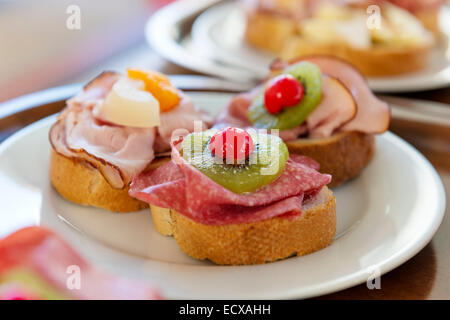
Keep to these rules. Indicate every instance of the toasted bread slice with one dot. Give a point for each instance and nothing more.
(374, 62)
(256, 242)
(343, 155)
(79, 182)
(380, 60)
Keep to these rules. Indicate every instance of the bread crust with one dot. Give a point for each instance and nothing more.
(257, 242)
(78, 181)
(343, 155)
(380, 60)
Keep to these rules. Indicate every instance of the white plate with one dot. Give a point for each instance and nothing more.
(385, 216)
(216, 46)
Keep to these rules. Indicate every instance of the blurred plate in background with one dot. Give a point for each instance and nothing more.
(208, 36)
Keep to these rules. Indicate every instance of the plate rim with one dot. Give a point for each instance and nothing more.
(162, 27)
(331, 286)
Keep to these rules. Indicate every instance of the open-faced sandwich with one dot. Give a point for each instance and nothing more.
(322, 108)
(115, 128)
(238, 197)
(387, 41)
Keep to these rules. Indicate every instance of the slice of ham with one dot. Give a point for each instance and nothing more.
(45, 254)
(111, 173)
(179, 186)
(373, 115)
(336, 108)
(185, 117)
(130, 149)
(235, 113)
(92, 92)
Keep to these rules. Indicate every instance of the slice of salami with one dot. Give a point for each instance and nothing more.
(179, 186)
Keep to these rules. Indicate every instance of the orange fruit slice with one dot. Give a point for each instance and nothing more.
(159, 86)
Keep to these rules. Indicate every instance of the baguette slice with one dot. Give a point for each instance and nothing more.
(374, 62)
(79, 182)
(381, 60)
(256, 242)
(343, 155)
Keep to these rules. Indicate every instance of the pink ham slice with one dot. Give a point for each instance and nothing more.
(179, 186)
(373, 115)
(235, 113)
(92, 92)
(112, 174)
(184, 117)
(336, 107)
(130, 149)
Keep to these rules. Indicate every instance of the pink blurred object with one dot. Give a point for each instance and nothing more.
(15, 293)
(159, 3)
(47, 255)
(416, 5)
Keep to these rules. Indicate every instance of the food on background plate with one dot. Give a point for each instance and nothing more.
(237, 197)
(36, 264)
(322, 108)
(427, 11)
(116, 127)
(398, 44)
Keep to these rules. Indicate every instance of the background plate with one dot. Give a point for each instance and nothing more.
(215, 45)
(385, 216)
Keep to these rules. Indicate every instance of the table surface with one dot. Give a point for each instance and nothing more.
(425, 276)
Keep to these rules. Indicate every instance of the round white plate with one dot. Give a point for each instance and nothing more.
(385, 216)
(216, 46)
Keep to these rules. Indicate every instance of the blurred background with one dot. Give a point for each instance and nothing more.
(41, 46)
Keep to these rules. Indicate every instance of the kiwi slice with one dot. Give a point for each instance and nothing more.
(311, 78)
(262, 166)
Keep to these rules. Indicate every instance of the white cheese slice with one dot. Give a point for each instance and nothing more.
(129, 105)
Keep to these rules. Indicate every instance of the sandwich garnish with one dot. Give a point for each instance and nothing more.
(236, 159)
(138, 99)
(232, 145)
(283, 91)
(297, 89)
(159, 86)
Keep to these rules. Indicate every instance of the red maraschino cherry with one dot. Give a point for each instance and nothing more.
(232, 145)
(283, 91)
